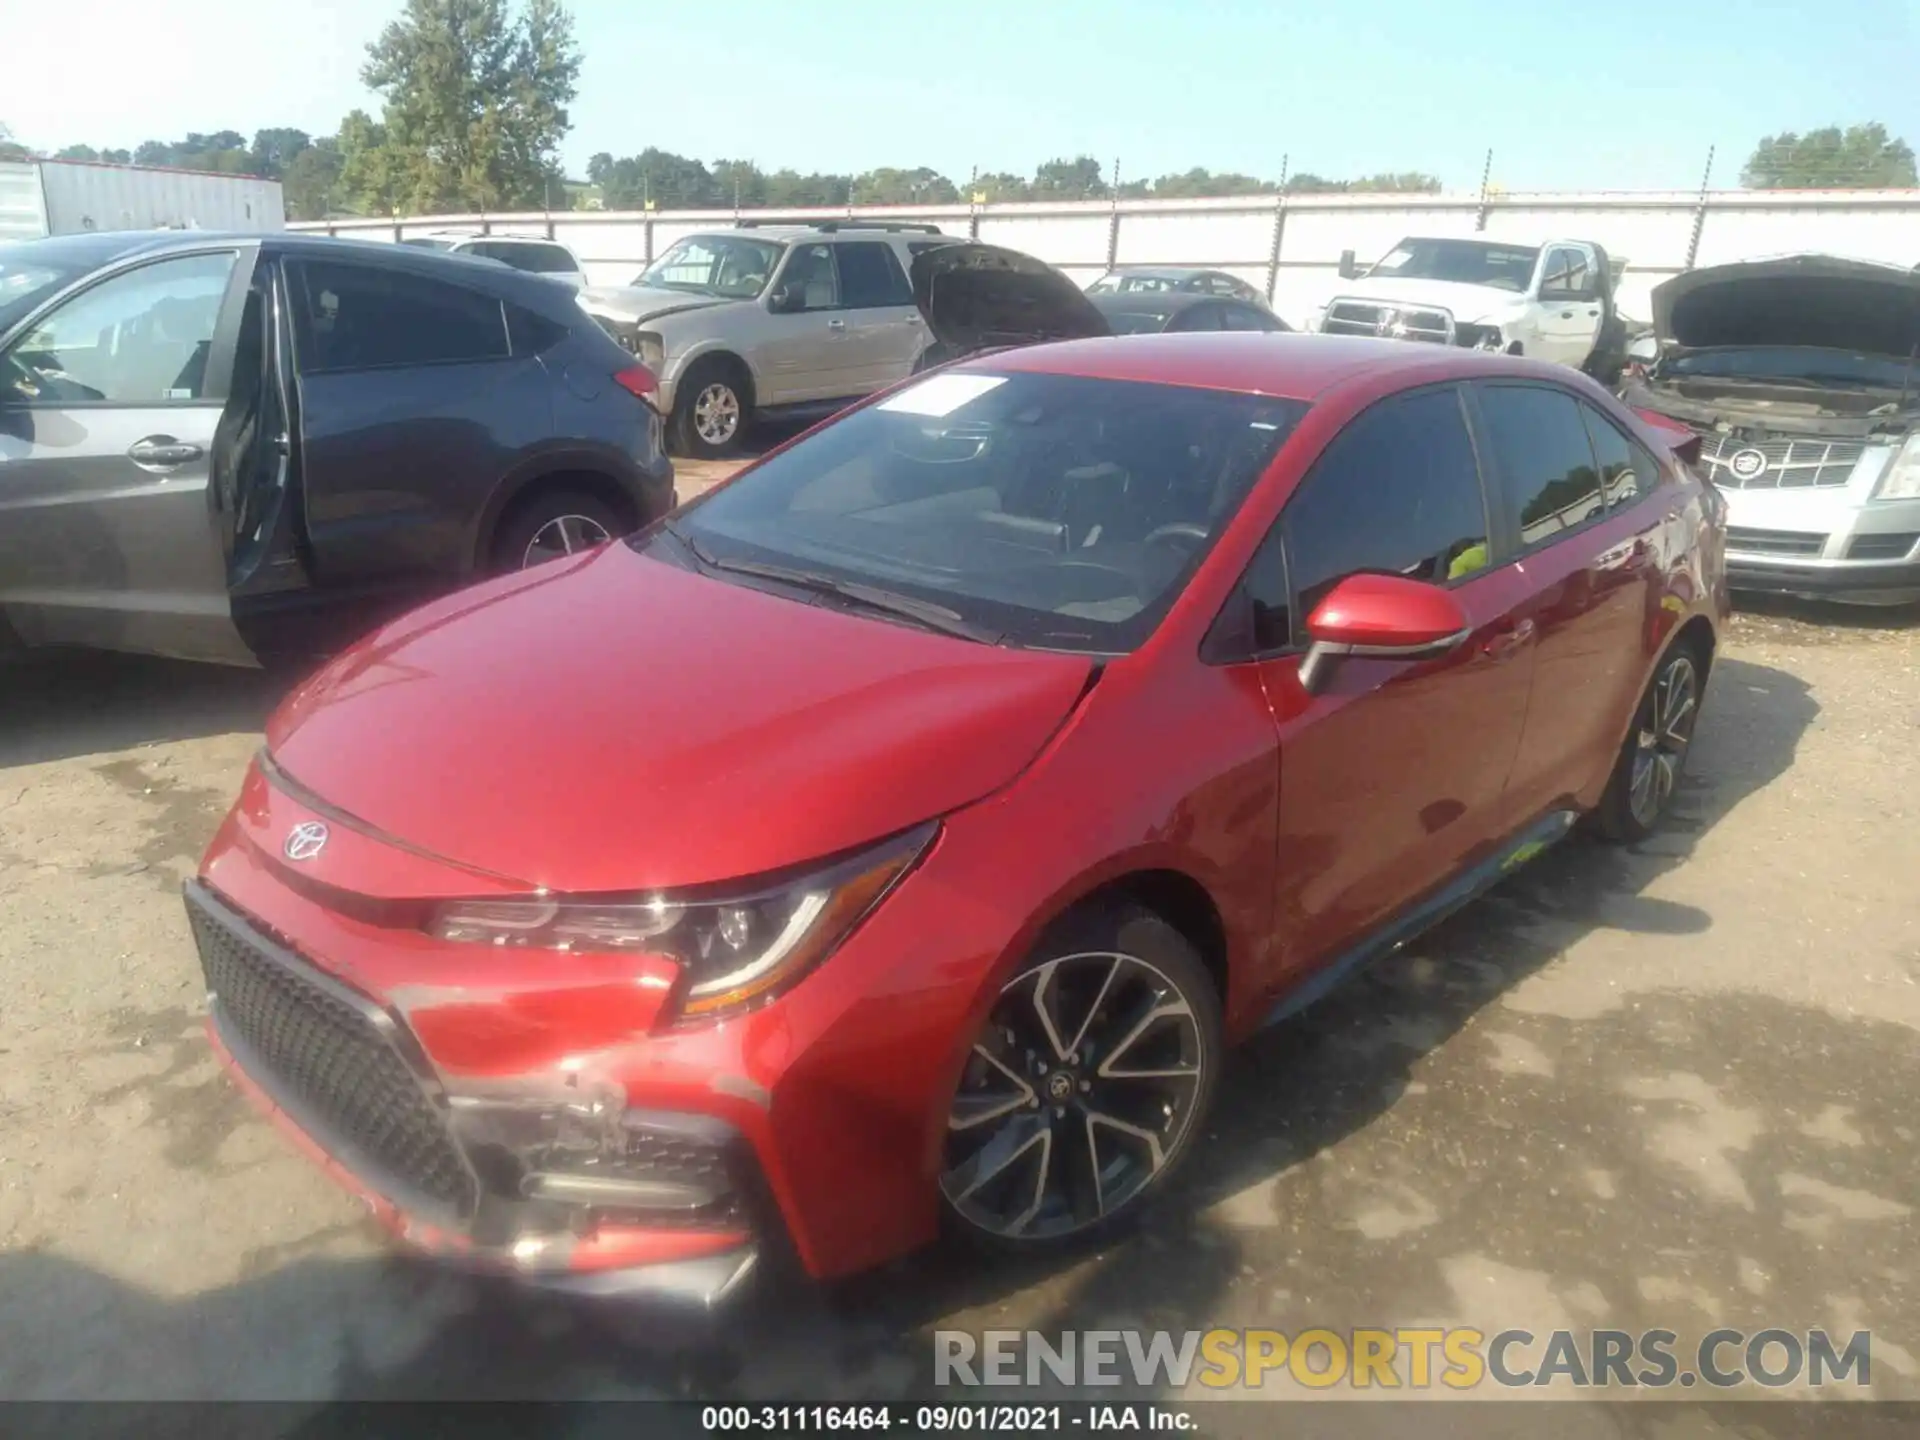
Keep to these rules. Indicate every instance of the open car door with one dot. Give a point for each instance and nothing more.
(111, 403)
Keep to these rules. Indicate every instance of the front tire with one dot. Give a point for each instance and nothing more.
(552, 524)
(1086, 1086)
(1647, 773)
(711, 411)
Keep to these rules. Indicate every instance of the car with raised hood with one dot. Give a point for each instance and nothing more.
(929, 806)
(1798, 376)
(234, 448)
(1553, 301)
(769, 321)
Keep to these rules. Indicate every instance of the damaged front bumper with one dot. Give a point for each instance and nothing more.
(571, 1191)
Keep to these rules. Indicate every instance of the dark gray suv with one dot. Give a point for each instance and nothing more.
(229, 447)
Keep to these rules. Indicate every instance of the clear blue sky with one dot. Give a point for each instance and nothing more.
(1614, 94)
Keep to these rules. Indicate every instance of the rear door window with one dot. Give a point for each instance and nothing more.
(1397, 492)
(1627, 471)
(359, 317)
(870, 276)
(1549, 483)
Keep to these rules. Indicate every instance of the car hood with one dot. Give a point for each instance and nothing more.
(1820, 301)
(977, 296)
(1469, 304)
(634, 304)
(611, 722)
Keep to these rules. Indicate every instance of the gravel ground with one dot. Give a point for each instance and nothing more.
(1671, 1086)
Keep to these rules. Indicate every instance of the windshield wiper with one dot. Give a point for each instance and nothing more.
(925, 613)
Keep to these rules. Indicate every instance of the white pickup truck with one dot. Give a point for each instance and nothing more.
(1554, 301)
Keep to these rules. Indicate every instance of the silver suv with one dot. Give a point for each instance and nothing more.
(770, 320)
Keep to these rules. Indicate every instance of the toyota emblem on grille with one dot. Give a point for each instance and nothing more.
(305, 840)
(1748, 464)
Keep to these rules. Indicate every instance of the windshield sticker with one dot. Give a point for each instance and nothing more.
(941, 395)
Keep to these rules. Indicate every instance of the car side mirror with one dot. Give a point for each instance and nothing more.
(1386, 617)
(1349, 268)
(787, 300)
(1644, 349)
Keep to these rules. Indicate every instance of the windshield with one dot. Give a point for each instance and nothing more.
(1791, 364)
(1053, 511)
(1467, 262)
(728, 265)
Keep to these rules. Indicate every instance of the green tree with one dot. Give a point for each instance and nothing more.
(1202, 183)
(273, 150)
(1077, 179)
(921, 186)
(11, 149)
(999, 185)
(1861, 156)
(476, 103)
(369, 179)
(789, 189)
(1411, 182)
(312, 181)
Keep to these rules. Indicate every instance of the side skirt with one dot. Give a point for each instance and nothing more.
(1456, 894)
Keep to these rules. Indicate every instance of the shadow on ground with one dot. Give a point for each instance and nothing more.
(1407, 1150)
(63, 704)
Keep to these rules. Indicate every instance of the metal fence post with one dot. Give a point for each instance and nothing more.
(1279, 229)
(1113, 221)
(1700, 212)
(1486, 193)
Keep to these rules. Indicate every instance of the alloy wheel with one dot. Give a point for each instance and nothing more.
(1077, 1094)
(1660, 746)
(716, 414)
(564, 535)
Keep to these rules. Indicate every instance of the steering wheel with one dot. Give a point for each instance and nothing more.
(1180, 530)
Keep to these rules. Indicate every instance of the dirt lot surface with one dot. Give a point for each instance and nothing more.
(1667, 1087)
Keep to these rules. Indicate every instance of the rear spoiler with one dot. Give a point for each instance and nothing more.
(1684, 443)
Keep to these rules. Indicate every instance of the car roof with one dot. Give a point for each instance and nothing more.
(1289, 365)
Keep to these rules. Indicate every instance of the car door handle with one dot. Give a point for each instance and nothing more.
(836, 324)
(1511, 639)
(1566, 314)
(163, 452)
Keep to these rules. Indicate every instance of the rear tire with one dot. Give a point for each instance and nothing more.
(1647, 773)
(1086, 1087)
(551, 524)
(711, 411)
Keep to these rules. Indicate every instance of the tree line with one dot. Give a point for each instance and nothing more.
(474, 107)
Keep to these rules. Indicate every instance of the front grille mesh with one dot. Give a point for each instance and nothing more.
(1736, 464)
(1351, 317)
(1774, 542)
(331, 1058)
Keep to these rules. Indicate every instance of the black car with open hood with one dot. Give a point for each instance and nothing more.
(984, 297)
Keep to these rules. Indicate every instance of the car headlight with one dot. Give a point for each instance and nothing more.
(1901, 479)
(737, 946)
(650, 350)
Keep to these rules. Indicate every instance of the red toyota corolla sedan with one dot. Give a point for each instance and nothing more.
(899, 835)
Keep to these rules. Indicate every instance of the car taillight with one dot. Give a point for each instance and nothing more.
(638, 381)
